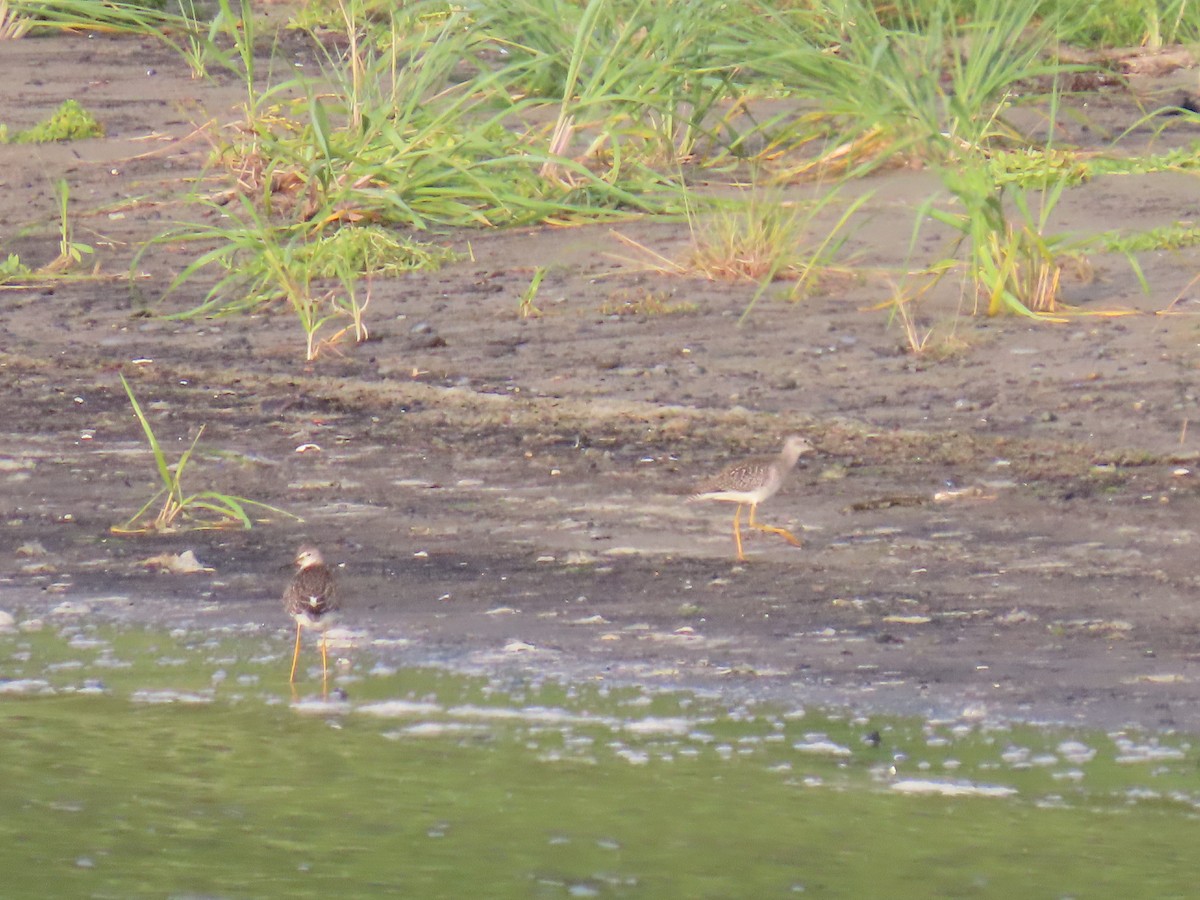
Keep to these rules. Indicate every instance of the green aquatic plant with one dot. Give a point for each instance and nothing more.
(1165, 237)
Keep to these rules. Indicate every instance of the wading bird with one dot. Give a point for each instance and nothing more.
(752, 481)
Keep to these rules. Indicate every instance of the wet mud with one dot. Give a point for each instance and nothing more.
(1008, 525)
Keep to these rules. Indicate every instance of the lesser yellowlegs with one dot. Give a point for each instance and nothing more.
(752, 481)
(311, 599)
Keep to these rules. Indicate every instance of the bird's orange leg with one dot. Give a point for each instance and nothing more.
(782, 532)
(737, 532)
(295, 655)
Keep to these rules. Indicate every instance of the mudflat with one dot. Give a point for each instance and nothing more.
(1007, 526)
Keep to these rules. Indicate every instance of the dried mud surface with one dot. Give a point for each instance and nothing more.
(503, 492)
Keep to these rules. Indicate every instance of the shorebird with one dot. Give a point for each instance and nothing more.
(752, 481)
(311, 599)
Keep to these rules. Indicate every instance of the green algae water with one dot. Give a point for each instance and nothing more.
(141, 764)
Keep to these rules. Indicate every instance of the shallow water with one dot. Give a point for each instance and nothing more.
(138, 763)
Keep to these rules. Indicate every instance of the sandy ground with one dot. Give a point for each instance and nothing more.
(1011, 528)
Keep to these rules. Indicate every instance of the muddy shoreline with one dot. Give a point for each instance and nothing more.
(506, 492)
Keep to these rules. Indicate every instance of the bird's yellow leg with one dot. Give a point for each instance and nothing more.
(324, 666)
(737, 532)
(782, 532)
(295, 655)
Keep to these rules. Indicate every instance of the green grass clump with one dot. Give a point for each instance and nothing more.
(1132, 23)
(315, 269)
(1167, 237)
(631, 78)
(19, 18)
(1038, 167)
(374, 251)
(916, 84)
(70, 122)
(428, 116)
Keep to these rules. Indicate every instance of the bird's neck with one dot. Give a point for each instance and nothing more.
(789, 456)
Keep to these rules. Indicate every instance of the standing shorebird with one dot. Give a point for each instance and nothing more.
(311, 599)
(752, 481)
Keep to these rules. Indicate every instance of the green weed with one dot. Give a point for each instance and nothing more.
(314, 273)
(200, 47)
(642, 302)
(525, 306)
(19, 18)
(1167, 237)
(203, 509)
(70, 251)
(632, 80)
(12, 269)
(409, 129)
(1012, 260)
(918, 83)
(70, 122)
(1133, 23)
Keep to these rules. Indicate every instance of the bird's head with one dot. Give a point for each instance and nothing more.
(795, 446)
(308, 556)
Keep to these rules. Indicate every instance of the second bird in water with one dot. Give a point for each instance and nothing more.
(311, 599)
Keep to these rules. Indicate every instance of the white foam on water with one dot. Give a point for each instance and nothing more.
(399, 709)
(951, 788)
(434, 730)
(673, 726)
(26, 686)
(320, 706)
(1130, 752)
(633, 757)
(1075, 752)
(542, 715)
(156, 697)
(821, 744)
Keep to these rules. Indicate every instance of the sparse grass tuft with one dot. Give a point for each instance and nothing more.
(178, 510)
(1013, 261)
(526, 308)
(314, 272)
(643, 302)
(761, 237)
(70, 251)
